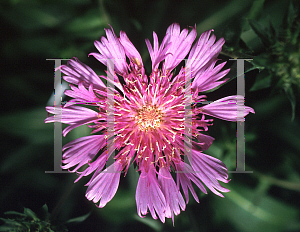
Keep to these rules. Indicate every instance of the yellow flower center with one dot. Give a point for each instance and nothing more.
(148, 117)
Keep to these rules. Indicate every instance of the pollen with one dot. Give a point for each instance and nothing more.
(149, 117)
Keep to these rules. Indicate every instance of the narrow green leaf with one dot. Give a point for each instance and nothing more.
(79, 219)
(7, 228)
(46, 212)
(256, 212)
(296, 34)
(45, 208)
(291, 96)
(262, 81)
(256, 9)
(31, 214)
(15, 213)
(289, 16)
(89, 25)
(272, 29)
(31, 16)
(11, 222)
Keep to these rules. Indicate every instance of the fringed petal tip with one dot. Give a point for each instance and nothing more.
(130, 50)
(181, 42)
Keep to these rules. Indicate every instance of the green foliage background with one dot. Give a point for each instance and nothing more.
(35, 30)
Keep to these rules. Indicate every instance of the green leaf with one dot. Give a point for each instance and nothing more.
(11, 222)
(232, 33)
(31, 214)
(256, 9)
(15, 213)
(252, 210)
(7, 228)
(46, 212)
(45, 208)
(28, 16)
(262, 61)
(89, 25)
(291, 96)
(272, 29)
(79, 219)
(263, 33)
(289, 16)
(263, 80)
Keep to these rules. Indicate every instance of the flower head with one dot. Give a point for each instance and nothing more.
(154, 123)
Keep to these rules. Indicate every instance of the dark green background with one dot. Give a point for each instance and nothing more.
(33, 31)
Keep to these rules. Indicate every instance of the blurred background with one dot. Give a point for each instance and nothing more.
(266, 31)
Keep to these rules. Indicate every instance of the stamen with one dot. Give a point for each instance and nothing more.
(149, 118)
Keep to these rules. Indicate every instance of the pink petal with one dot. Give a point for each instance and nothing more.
(77, 72)
(111, 48)
(148, 194)
(157, 55)
(185, 175)
(73, 115)
(205, 141)
(81, 94)
(229, 108)
(130, 49)
(209, 170)
(202, 59)
(174, 199)
(180, 45)
(209, 78)
(104, 186)
(82, 150)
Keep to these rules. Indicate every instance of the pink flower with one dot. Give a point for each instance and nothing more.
(149, 120)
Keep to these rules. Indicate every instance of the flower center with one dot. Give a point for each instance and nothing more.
(148, 117)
